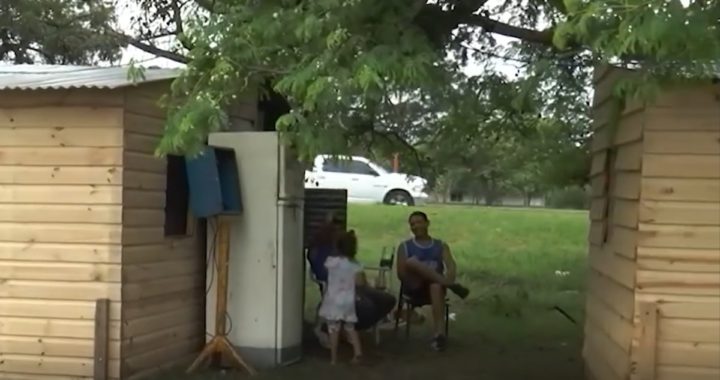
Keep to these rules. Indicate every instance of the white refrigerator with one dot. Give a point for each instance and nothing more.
(266, 283)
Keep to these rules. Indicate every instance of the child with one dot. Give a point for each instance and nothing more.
(338, 305)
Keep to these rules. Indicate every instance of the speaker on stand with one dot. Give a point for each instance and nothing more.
(214, 183)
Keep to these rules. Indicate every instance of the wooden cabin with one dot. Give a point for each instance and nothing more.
(89, 214)
(653, 292)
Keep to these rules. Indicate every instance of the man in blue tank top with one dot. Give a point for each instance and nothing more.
(426, 268)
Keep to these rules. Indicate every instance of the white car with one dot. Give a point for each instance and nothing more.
(365, 181)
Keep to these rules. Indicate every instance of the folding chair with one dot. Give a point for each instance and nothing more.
(412, 304)
(383, 281)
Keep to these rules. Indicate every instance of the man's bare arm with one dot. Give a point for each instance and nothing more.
(449, 261)
(401, 259)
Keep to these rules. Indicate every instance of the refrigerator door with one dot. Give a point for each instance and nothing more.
(253, 266)
(290, 257)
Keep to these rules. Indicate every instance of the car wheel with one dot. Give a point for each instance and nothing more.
(399, 197)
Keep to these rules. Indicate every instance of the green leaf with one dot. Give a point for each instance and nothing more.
(135, 72)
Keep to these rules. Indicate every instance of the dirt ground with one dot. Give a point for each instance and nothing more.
(471, 356)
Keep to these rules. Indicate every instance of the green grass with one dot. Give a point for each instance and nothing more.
(487, 243)
(507, 329)
(508, 257)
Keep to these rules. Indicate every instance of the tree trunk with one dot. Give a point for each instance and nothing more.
(491, 193)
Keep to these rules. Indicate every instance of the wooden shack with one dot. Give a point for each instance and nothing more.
(653, 292)
(87, 213)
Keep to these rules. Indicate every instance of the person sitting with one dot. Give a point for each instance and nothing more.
(372, 305)
(426, 268)
(321, 247)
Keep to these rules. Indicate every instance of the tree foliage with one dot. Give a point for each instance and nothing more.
(338, 62)
(58, 31)
(490, 139)
(351, 71)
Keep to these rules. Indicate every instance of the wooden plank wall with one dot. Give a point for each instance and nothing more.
(60, 230)
(163, 277)
(678, 253)
(615, 182)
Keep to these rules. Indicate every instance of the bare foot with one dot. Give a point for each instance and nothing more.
(357, 359)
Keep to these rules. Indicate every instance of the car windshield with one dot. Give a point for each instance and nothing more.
(379, 168)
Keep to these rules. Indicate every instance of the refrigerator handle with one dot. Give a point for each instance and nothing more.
(273, 255)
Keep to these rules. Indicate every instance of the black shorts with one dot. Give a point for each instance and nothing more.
(419, 295)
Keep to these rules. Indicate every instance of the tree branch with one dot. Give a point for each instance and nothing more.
(150, 49)
(138, 43)
(439, 25)
(179, 25)
(542, 37)
(495, 55)
(208, 5)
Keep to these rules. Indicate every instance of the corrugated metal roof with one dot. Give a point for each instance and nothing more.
(37, 77)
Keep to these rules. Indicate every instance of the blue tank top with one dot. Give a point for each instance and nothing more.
(317, 263)
(432, 254)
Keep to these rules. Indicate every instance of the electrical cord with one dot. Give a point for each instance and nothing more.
(212, 260)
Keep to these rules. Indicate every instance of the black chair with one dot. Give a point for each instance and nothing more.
(412, 304)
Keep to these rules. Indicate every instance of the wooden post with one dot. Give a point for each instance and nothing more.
(647, 348)
(219, 343)
(102, 339)
(223, 260)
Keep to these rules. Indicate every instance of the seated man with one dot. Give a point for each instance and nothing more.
(322, 246)
(371, 305)
(426, 268)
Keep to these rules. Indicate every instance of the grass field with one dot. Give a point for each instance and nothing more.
(508, 257)
(519, 263)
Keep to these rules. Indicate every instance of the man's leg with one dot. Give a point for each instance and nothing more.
(427, 274)
(437, 304)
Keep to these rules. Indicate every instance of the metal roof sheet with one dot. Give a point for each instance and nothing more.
(38, 77)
